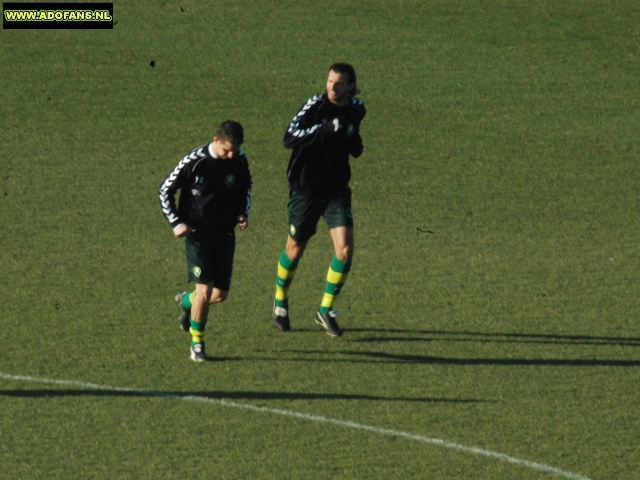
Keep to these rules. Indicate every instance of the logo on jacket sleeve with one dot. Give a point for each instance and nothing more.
(229, 180)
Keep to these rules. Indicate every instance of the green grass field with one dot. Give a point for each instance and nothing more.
(493, 302)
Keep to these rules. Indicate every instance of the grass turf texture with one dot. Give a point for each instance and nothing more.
(494, 295)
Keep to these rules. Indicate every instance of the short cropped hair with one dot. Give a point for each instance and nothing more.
(346, 68)
(231, 131)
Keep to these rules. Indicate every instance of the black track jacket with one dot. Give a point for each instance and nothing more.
(319, 163)
(213, 191)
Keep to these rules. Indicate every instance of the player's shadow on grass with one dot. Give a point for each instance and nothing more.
(222, 396)
(382, 357)
(479, 337)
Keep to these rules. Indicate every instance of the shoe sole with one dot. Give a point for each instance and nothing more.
(186, 325)
(326, 330)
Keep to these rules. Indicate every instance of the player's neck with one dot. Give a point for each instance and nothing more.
(340, 103)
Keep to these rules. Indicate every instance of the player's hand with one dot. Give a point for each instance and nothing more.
(342, 126)
(183, 230)
(331, 126)
(243, 222)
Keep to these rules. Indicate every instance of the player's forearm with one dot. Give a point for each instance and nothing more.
(296, 137)
(168, 207)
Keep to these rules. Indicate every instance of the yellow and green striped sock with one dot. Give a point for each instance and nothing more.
(336, 276)
(286, 271)
(187, 299)
(197, 332)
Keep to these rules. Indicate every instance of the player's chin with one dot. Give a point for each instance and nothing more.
(336, 98)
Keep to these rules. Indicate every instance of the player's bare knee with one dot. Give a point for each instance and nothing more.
(295, 250)
(218, 296)
(204, 292)
(345, 253)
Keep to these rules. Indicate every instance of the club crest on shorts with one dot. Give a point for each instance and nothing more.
(197, 271)
(229, 180)
(292, 230)
(350, 130)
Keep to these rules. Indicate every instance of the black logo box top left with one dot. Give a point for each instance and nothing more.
(57, 15)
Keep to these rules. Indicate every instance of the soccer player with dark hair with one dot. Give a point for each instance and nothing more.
(215, 194)
(322, 136)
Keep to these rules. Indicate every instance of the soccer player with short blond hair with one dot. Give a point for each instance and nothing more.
(215, 195)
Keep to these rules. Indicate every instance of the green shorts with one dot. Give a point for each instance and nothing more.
(210, 258)
(305, 212)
